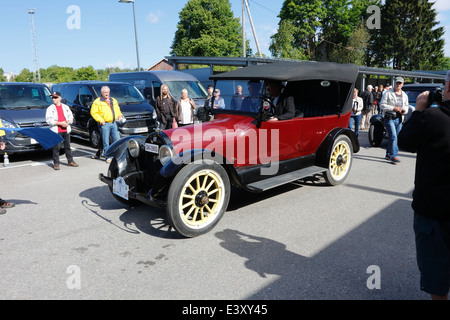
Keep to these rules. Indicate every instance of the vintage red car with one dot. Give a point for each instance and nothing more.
(190, 170)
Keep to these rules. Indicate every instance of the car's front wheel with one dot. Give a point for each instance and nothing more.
(340, 161)
(198, 198)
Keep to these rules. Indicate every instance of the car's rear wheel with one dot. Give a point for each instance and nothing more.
(376, 134)
(198, 198)
(340, 161)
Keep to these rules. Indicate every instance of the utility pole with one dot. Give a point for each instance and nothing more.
(34, 46)
(244, 2)
(244, 54)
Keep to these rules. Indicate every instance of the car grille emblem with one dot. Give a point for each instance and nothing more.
(139, 117)
(38, 124)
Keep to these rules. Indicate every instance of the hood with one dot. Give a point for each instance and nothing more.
(134, 109)
(26, 116)
(216, 132)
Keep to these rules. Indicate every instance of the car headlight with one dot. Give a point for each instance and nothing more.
(154, 114)
(8, 124)
(134, 148)
(165, 154)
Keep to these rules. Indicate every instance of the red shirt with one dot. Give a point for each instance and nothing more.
(61, 118)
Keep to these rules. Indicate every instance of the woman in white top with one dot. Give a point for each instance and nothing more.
(185, 109)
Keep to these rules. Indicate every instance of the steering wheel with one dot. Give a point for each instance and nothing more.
(268, 107)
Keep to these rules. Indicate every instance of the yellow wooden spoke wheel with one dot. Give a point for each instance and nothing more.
(340, 161)
(198, 198)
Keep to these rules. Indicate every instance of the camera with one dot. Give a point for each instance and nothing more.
(435, 95)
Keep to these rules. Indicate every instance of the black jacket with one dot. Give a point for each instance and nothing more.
(285, 108)
(428, 134)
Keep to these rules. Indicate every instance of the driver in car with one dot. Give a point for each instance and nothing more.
(284, 104)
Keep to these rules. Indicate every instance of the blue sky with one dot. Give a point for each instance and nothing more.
(105, 34)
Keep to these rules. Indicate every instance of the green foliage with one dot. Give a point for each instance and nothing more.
(408, 38)
(56, 74)
(208, 28)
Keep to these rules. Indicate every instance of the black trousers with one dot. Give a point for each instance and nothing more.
(66, 143)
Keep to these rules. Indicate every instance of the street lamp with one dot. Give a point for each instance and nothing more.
(135, 32)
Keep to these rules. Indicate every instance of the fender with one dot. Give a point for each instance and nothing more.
(376, 118)
(120, 146)
(324, 151)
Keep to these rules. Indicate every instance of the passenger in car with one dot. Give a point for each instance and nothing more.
(252, 103)
(284, 104)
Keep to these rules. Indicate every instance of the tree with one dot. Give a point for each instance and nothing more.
(2, 76)
(355, 49)
(317, 28)
(208, 28)
(24, 76)
(408, 38)
(85, 73)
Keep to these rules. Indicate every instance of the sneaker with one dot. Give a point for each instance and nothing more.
(108, 160)
(395, 160)
(73, 164)
(388, 157)
(56, 166)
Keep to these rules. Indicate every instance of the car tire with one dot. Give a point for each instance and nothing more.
(376, 134)
(198, 198)
(94, 137)
(340, 161)
(113, 172)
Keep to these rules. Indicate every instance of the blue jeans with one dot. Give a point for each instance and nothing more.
(393, 127)
(357, 120)
(109, 129)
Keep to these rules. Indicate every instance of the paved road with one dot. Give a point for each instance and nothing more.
(68, 238)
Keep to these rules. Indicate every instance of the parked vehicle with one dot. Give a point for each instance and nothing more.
(377, 130)
(79, 95)
(150, 82)
(23, 105)
(189, 170)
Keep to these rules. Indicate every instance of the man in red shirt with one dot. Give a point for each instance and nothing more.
(59, 117)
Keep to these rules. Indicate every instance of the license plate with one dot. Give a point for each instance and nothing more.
(120, 188)
(32, 141)
(140, 130)
(150, 147)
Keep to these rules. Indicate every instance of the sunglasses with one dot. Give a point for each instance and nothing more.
(55, 97)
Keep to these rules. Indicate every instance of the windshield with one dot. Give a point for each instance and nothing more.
(26, 96)
(239, 95)
(412, 95)
(194, 88)
(123, 93)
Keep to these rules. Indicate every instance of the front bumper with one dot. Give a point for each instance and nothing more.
(142, 197)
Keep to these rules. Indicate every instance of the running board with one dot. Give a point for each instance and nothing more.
(276, 181)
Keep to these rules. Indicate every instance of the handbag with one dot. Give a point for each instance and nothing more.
(174, 123)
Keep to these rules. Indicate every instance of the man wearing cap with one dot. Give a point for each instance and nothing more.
(394, 104)
(427, 133)
(59, 117)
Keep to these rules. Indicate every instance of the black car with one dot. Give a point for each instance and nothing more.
(377, 130)
(23, 105)
(79, 96)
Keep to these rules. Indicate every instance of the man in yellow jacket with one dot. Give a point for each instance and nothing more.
(105, 110)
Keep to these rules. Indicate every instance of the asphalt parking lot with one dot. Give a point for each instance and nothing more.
(68, 238)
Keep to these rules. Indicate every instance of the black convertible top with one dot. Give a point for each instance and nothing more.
(293, 71)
